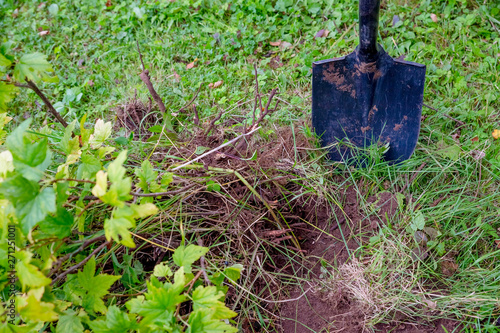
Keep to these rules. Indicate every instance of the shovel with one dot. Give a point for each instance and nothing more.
(367, 97)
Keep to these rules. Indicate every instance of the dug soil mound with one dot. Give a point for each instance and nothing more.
(264, 203)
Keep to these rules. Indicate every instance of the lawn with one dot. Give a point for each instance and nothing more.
(222, 213)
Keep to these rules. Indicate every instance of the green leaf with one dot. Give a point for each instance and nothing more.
(88, 167)
(114, 321)
(116, 171)
(166, 179)
(418, 222)
(451, 152)
(69, 322)
(4, 61)
(146, 176)
(30, 158)
(32, 206)
(186, 256)
(59, 225)
(7, 94)
(33, 67)
(200, 150)
(201, 321)
(209, 298)
(88, 289)
(117, 229)
(29, 275)
(162, 270)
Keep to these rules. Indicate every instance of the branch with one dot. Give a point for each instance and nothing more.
(212, 123)
(147, 81)
(31, 85)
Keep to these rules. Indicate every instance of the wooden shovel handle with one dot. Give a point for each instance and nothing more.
(368, 29)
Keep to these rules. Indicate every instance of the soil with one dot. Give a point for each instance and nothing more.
(236, 230)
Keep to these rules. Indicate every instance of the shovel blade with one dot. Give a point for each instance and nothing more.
(367, 103)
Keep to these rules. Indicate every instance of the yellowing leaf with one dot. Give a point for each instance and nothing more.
(102, 131)
(101, 185)
(496, 134)
(215, 84)
(32, 309)
(7, 93)
(162, 270)
(144, 210)
(33, 67)
(29, 275)
(6, 164)
(191, 64)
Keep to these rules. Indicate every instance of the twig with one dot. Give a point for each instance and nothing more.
(192, 99)
(161, 194)
(459, 122)
(266, 111)
(147, 81)
(202, 263)
(257, 87)
(196, 116)
(80, 264)
(212, 123)
(215, 149)
(40, 94)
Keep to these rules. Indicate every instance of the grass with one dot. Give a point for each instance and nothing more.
(456, 191)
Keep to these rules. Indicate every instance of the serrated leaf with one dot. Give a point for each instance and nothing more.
(33, 67)
(4, 61)
(162, 270)
(143, 210)
(69, 322)
(88, 167)
(29, 275)
(146, 175)
(166, 179)
(102, 131)
(59, 225)
(116, 171)
(118, 230)
(114, 321)
(101, 185)
(88, 288)
(31, 309)
(7, 94)
(209, 298)
(186, 256)
(30, 158)
(32, 206)
(201, 321)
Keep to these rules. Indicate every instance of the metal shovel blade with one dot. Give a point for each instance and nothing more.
(368, 97)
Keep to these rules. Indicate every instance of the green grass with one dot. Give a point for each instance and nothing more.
(93, 50)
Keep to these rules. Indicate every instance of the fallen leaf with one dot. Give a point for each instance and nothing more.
(430, 304)
(41, 5)
(497, 241)
(395, 19)
(455, 136)
(278, 43)
(434, 18)
(496, 134)
(477, 154)
(285, 45)
(474, 139)
(43, 33)
(322, 33)
(15, 13)
(90, 83)
(177, 76)
(191, 64)
(108, 3)
(215, 84)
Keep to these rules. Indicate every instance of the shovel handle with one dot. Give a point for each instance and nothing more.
(368, 29)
